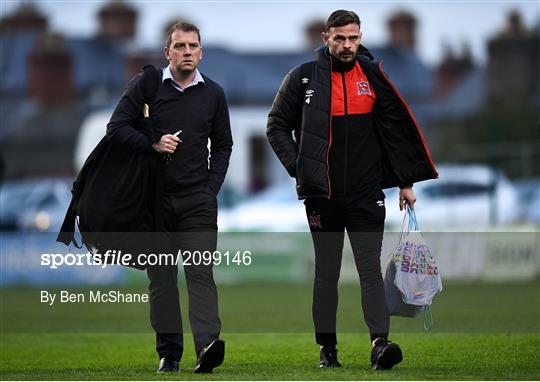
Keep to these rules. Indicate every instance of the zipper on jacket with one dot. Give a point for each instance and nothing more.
(330, 140)
(346, 132)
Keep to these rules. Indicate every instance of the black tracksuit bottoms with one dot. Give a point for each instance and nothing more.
(191, 223)
(363, 218)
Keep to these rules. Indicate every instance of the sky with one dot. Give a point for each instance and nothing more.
(278, 25)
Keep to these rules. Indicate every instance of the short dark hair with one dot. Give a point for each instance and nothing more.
(182, 26)
(341, 18)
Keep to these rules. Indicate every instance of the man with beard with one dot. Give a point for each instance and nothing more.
(188, 110)
(340, 127)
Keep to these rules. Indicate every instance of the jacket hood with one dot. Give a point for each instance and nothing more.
(321, 54)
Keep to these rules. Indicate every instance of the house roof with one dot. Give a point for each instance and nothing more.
(248, 78)
(467, 97)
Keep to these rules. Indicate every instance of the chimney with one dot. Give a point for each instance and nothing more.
(117, 21)
(50, 71)
(515, 50)
(312, 33)
(514, 26)
(26, 18)
(452, 69)
(402, 29)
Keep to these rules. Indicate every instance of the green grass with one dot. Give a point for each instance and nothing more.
(454, 356)
(273, 308)
(481, 331)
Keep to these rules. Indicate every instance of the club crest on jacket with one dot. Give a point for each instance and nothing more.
(363, 88)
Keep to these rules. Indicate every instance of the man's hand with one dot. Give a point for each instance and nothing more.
(406, 195)
(167, 144)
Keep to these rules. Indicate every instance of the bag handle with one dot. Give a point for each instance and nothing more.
(413, 224)
(404, 224)
(409, 221)
(150, 83)
(428, 318)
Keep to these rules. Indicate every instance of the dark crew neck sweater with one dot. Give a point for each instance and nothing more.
(201, 113)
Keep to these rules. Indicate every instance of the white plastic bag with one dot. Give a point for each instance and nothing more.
(413, 272)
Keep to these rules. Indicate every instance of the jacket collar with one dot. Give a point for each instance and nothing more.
(322, 55)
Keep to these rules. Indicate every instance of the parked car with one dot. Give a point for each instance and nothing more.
(277, 209)
(464, 197)
(13, 195)
(529, 200)
(34, 205)
(532, 208)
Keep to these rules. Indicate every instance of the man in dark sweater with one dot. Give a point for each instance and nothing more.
(342, 130)
(192, 103)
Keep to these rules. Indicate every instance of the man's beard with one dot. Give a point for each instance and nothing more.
(346, 58)
(340, 57)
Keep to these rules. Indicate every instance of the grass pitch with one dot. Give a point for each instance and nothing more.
(99, 356)
(481, 331)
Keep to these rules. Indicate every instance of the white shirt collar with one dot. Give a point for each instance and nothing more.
(167, 74)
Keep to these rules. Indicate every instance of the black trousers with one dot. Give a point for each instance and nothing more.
(363, 218)
(191, 220)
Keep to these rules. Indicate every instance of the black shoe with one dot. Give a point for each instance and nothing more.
(210, 356)
(385, 354)
(328, 357)
(167, 365)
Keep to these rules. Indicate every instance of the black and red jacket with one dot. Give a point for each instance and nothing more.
(354, 158)
(301, 131)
